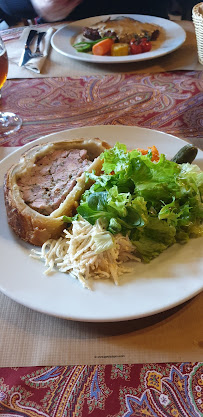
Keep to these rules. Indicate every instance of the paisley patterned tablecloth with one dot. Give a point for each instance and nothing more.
(171, 102)
(148, 390)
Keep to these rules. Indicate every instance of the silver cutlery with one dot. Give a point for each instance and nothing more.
(28, 54)
(27, 51)
(39, 39)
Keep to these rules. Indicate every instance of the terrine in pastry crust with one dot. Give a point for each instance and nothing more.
(47, 184)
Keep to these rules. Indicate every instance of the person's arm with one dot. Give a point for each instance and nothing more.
(54, 10)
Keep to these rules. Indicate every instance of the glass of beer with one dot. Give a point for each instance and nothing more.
(9, 122)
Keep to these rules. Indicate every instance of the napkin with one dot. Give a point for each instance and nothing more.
(35, 64)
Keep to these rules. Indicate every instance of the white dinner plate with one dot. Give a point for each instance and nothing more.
(169, 280)
(172, 37)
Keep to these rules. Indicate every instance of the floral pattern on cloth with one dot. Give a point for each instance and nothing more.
(171, 102)
(134, 390)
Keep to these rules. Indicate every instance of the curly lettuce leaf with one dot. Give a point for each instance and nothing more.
(155, 203)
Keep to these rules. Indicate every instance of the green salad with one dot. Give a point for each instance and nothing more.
(154, 203)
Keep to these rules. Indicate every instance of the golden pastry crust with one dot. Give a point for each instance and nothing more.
(29, 224)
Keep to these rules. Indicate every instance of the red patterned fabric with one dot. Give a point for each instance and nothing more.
(150, 390)
(171, 102)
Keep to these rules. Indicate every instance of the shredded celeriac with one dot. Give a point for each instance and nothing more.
(88, 251)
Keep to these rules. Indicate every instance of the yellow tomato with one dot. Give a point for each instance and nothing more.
(119, 49)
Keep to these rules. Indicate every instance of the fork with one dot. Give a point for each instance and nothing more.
(39, 39)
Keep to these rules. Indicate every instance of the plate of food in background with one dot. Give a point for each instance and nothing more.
(118, 39)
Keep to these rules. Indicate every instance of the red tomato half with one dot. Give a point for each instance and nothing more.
(146, 46)
(135, 49)
(132, 41)
(143, 40)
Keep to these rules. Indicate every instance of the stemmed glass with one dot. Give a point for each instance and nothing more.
(9, 122)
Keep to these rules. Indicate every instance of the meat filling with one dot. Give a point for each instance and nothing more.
(122, 29)
(52, 178)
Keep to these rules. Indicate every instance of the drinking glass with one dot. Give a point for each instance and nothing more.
(9, 122)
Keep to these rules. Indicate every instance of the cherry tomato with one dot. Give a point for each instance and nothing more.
(143, 40)
(132, 41)
(135, 49)
(146, 46)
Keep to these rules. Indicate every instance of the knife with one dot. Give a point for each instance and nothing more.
(27, 53)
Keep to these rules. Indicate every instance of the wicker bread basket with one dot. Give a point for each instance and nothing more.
(197, 17)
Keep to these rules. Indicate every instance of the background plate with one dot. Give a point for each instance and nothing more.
(172, 278)
(63, 39)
